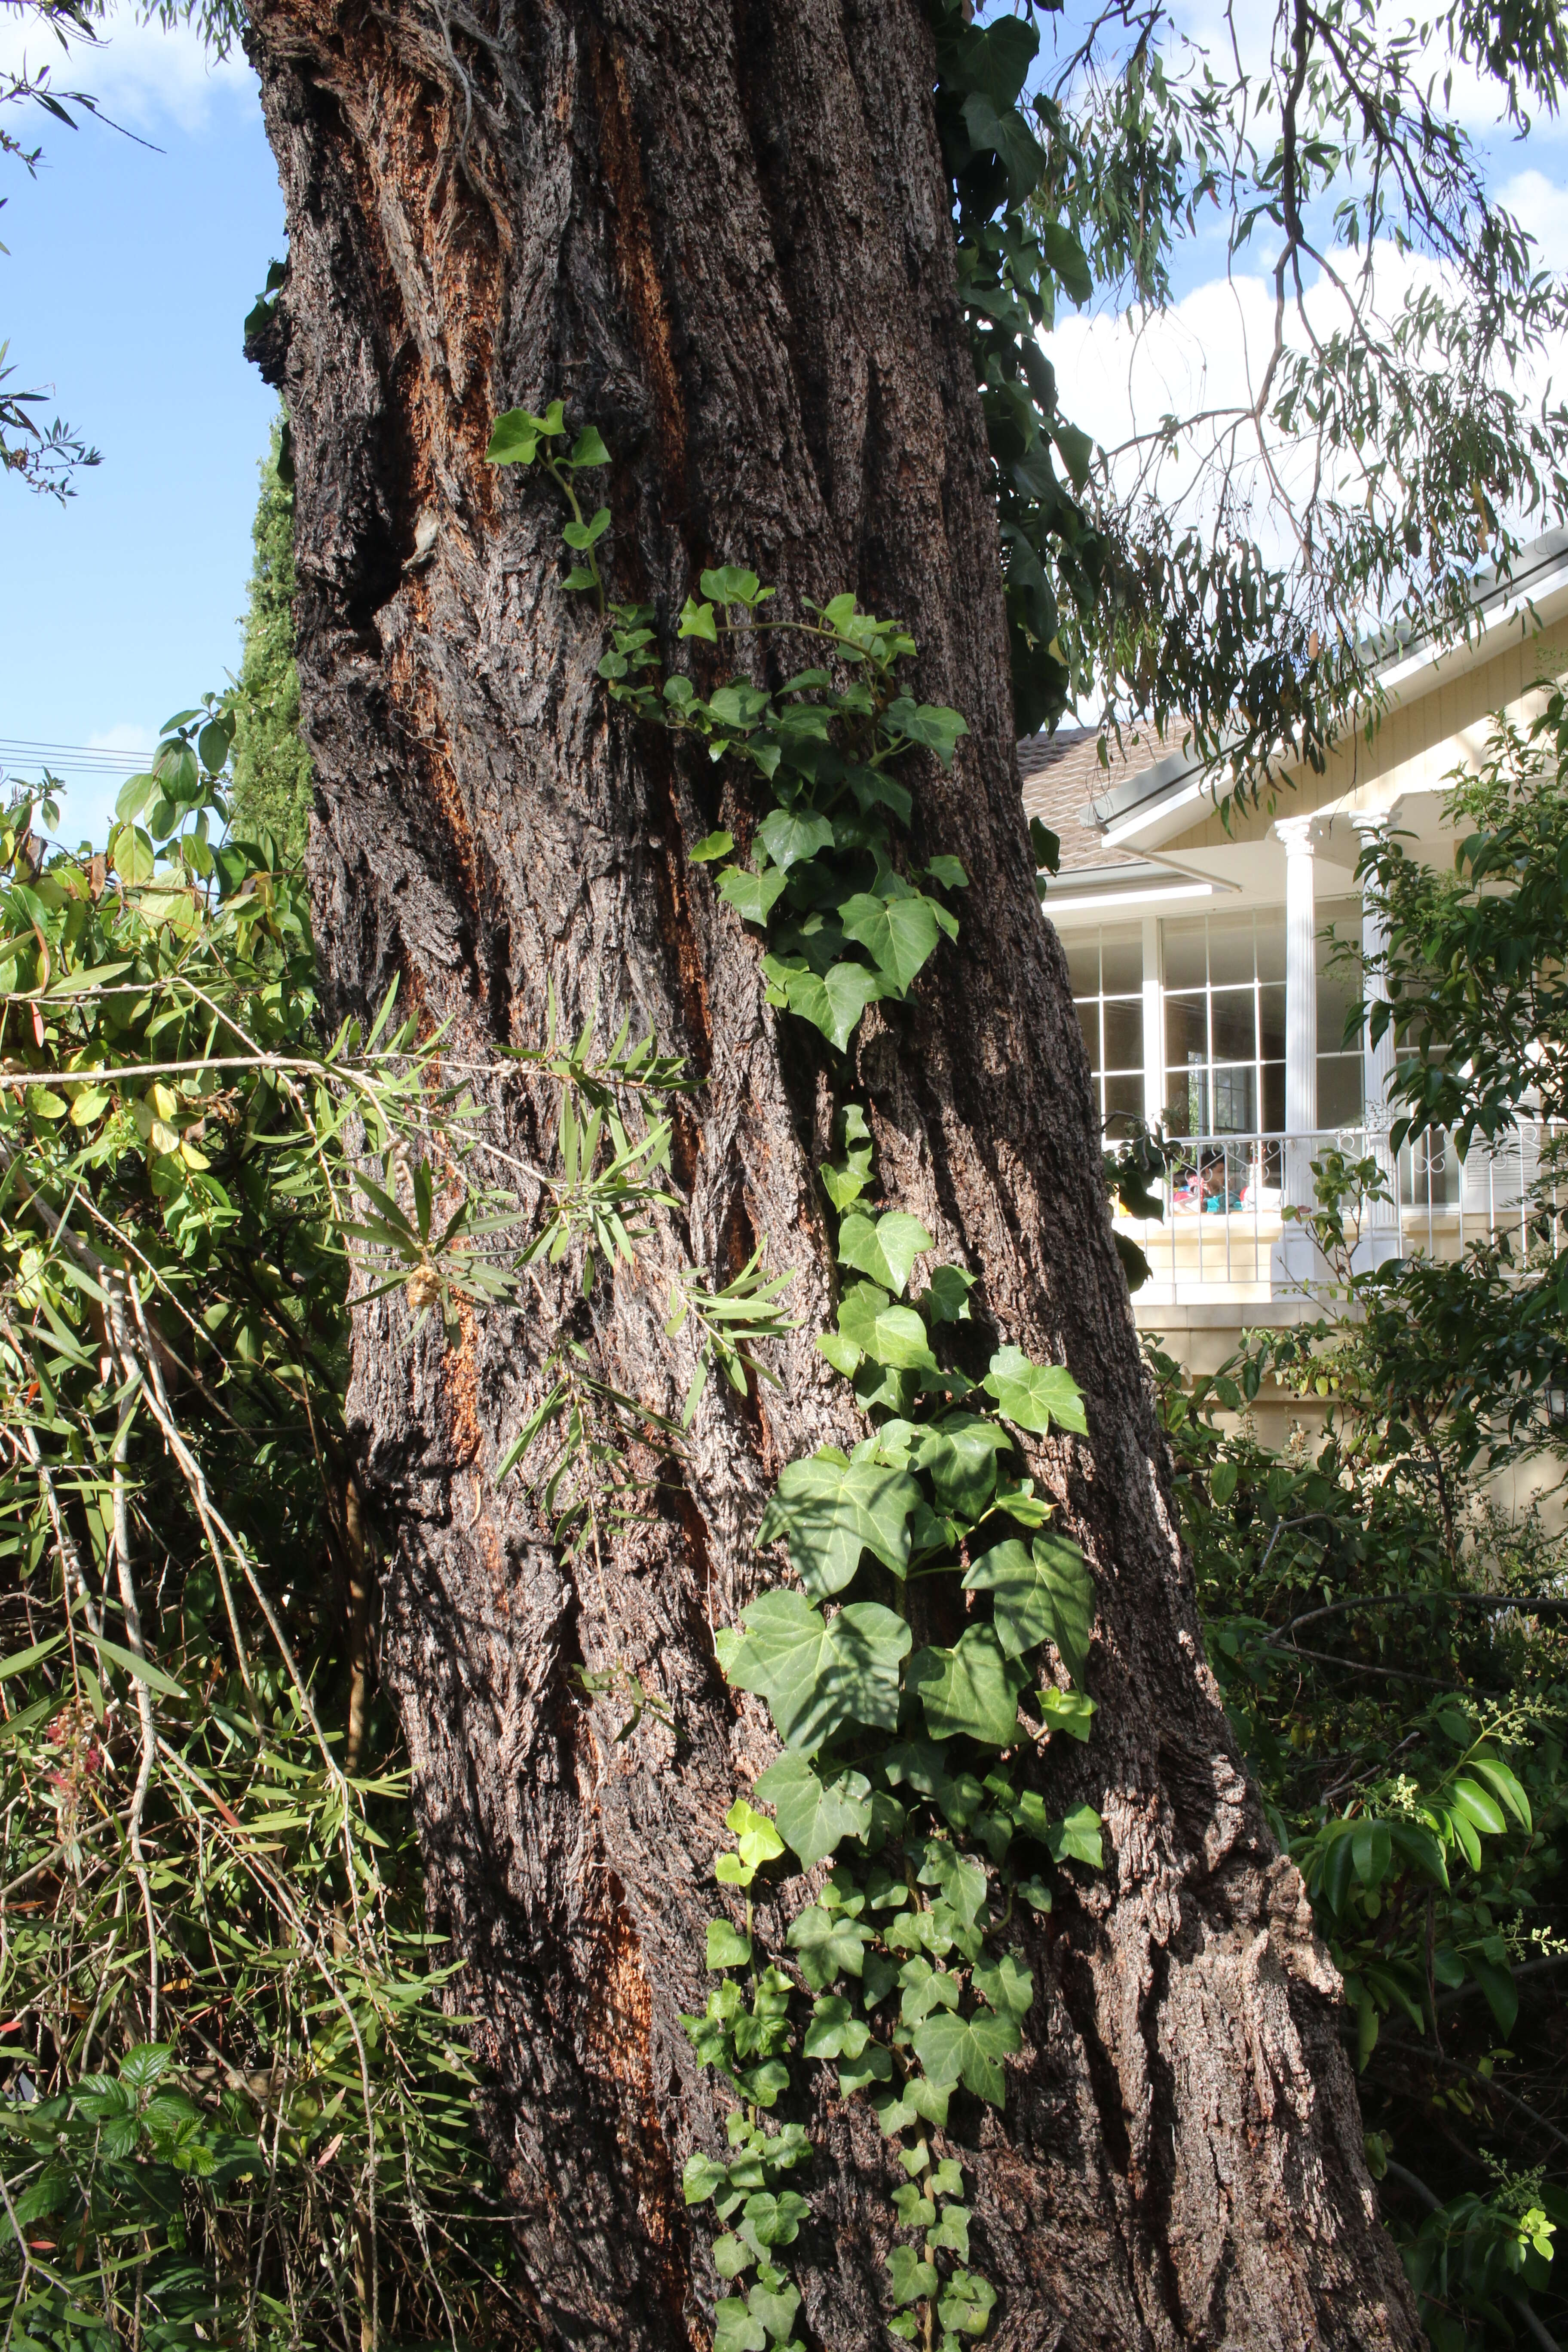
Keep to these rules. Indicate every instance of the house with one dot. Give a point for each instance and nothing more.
(1212, 966)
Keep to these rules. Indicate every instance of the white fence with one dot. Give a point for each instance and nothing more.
(1222, 1235)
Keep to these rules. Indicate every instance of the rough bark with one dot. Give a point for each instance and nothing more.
(723, 237)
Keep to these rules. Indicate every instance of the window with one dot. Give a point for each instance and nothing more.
(1107, 968)
(1225, 1024)
(1341, 1075)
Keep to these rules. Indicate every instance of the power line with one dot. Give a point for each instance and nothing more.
(81, 759)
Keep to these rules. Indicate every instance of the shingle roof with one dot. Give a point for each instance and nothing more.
(1061, 775)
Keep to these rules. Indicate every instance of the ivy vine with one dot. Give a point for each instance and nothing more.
(933, 1634)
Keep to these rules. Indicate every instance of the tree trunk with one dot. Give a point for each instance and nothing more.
(723, 237)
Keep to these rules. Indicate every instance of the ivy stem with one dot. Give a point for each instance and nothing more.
(571, 497)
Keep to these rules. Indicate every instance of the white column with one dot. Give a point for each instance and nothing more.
(1380, 1222)
(1153, 1026)
(1296, 1262)
(1301, 1001)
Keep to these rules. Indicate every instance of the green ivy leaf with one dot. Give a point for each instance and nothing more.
(735, 2330)
(972, 1689)
(884, 1248)
(700, 2177)
(583, 535)
(814, 1816)
(874, 2064)
(833, 1001)
(1034, 1396)
(926, 1988)
(817, 1674)
(949, 872)
(757, 1842)
(827, 1945)
(840, 1352)
(946, 1298)
(775, 2220)
(889, 1335)
(893, 2111)
(829, 1511)
(712, 846)
(697, 621)
(790, 837)
(877, 1977)
(514, 437)
(1069, 1711)
(914, 2279)
(913, 2207)
(1006, 1984)
(966, 2303)
(951, 2235)
(738, 705)
(764, 2084)
(752, 896)
(842, 1185)
(959, 1451)
(898, 933)
(588, 449)
(731, 585)
(931, 724)
(1040, 1593)
(732, 2255)
(834, 2030)
(961, 1878)
(1023, 1504)
(727, 1946)
(968, 2050)
(1077, 1837)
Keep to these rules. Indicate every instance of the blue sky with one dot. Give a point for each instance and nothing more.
(129, 276)
(130, 270)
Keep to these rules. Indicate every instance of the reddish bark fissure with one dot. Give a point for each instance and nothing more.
(725, 239)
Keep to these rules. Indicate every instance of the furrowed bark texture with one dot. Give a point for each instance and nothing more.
(722, 235)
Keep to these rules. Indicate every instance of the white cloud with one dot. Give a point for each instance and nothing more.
(1119, 375)
(136, 743)
(1541, 206)
(138, 74)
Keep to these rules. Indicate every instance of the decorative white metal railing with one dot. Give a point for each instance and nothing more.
(1224, 1234)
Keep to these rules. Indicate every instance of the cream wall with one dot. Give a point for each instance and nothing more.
(1416, 745)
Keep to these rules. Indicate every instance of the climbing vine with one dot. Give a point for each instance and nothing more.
(933, 1634)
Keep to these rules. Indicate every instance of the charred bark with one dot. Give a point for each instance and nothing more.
(723, 237)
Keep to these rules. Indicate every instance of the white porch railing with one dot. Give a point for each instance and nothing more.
(1220, 1238)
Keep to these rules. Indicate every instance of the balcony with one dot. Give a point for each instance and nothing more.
(1223, 1242)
